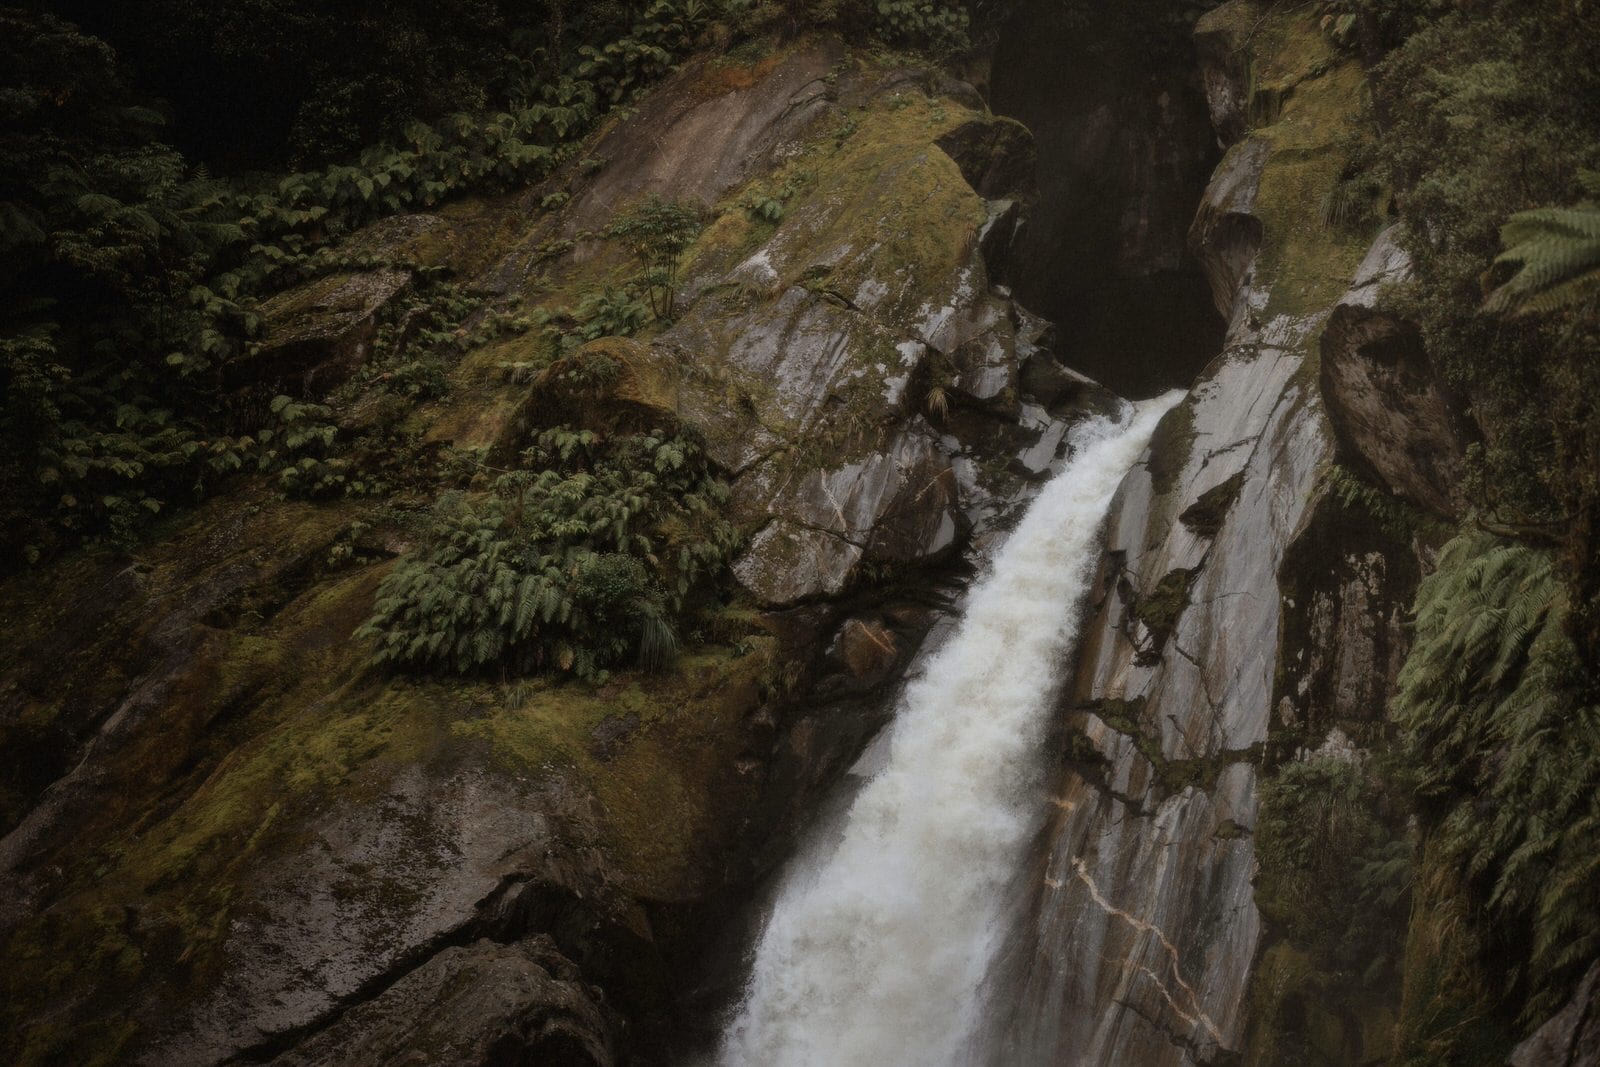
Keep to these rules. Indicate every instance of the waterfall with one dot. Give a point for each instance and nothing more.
(874, 954)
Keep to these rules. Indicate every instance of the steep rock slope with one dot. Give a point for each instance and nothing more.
(240, 842)
(1245, 614)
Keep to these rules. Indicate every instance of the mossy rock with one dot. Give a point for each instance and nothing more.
(1207, 514)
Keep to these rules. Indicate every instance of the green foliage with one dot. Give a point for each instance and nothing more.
(658, 232)
(485, 152)
(1487, 113)
(765, 208)
(425, 332)
(580, 563)
(104, 239)
(1557, 253)
(610, 313)
(665, 31)
(1504, 749)
(130, 282)
(1335, 874)
(1399, 519)
(936, 26)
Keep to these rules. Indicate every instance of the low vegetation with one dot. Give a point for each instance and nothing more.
(580, 562)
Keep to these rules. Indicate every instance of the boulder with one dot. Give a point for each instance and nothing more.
(995, 155)
(1572, 1036)
(471, 1005)
(866, 647)
(1384, 399)
(319, 334)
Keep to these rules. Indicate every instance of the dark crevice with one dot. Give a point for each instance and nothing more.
(1124, 148)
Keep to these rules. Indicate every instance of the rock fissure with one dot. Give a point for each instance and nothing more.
(1194, 1016)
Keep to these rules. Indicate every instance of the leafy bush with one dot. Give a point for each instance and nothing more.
(130, 281)
(937, 26)
(104, 240)
(580, 563)
(1334, 874)
(1487, 115)
(1484, 115)
(1504, 748)
(658, 232)
(666, 30)
(610, 313)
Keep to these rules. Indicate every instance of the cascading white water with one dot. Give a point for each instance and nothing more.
(874, 956)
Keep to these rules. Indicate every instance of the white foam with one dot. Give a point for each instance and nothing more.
(877, 947)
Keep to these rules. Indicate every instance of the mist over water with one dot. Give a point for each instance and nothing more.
(875, 952)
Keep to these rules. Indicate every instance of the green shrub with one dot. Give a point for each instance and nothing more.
(1557, 255)
(1504, 749)
(610, 313)
(1484, 114)
(658, 232)
(129, 282)
(936, 26)
(1335, 874)
(580, 563)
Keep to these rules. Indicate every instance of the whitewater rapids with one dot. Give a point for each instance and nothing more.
(875, 953)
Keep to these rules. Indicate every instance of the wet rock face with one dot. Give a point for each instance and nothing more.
(1231, 582)
(1227, 234)
(704, 141)
(1124, 148)
(378, 882)
(477, 1004)
(1386, 403)
(1572, 1036)
(1347, 584)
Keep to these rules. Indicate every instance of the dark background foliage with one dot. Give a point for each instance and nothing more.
(263, 83)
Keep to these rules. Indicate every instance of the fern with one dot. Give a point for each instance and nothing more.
(1557, 255)
(578, 563)
(1506, 753)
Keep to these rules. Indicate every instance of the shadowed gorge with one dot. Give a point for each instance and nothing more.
(1124, 149)
(810, 532)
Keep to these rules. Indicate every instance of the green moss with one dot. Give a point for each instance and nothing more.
(1314, 135)
(1334, 870)
(1170, 448)
(1297, 1017)
(1207, 514)
(249, 739)
(883, 203)
(666, 790)
(1172, 775)
(1160, 608)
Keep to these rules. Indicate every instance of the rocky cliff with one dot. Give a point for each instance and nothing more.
(1246, 615)
(230, 838)
(237, 841)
